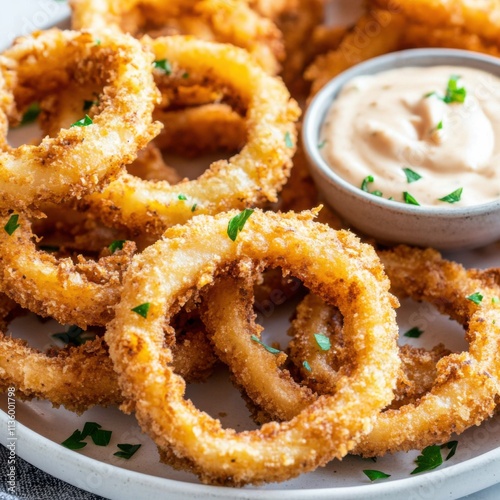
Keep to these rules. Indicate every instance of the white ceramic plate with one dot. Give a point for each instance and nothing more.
(40, 428)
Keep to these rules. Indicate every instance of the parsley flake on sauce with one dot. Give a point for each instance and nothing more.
(408, 198)
(307, 366)
(454, 92)
(452, 197)
(364, 186)
(237, 223)
(411, 175)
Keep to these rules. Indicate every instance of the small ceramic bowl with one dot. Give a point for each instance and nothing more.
(388, 221)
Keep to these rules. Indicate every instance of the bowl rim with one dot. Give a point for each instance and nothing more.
(421, 57)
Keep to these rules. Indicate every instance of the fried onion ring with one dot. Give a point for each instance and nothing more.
(467, 384)
(81, 158)
(251, 177)
(253, 368)
(81, 293)
(79, 377)
(226, 21)
(335, 265)
(418, 366)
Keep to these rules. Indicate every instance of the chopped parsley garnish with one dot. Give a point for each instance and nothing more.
(373, 475)
(414, 332)
(237, 223)
(74, 442)
(12, 224)
(431, 458)
(99, 436)
(306, 365)
(323, 341)
(31, 114)
(193, 208)
(439, 126)
(495, 300)
(364, 186)
(408, 198)
(476, 298)
(453, 197)
(84, 122)
(411, 175)
(272, 350)
(73, 336)
(89, 428)
(182, 197)
(321, 145)
(127, 450)
(454, 93)
(288, 140)
(142, 309)
(163, 65)
(452, 446)
(185, 75)
(116, 245)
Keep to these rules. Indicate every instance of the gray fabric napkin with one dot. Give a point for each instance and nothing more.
(34, 484)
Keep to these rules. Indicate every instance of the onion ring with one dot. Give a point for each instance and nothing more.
(336, 265)
(81, 158)
(79, 377)
(253, 368)
(251, 177)
(226, 21)
(324, 366)
(466, 384)
(82, 294)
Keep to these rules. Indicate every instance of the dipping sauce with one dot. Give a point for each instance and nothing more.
(419, 135)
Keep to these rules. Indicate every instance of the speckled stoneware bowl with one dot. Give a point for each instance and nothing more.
(389, 221)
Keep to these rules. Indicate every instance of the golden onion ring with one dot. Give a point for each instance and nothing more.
(249, 178)
(225, 21)
(334, 264)
(81, 158)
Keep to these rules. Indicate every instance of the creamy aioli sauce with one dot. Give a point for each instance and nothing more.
(381, 124)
